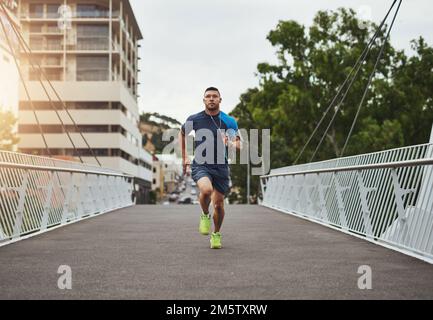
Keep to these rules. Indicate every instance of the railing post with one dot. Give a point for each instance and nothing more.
(341, 208)
(47, 205)
(91, 196)
(102, 190)
(81, 203)
(322, 189)
(363, 191)
(399, 195)
(19, 214)
(67, 203)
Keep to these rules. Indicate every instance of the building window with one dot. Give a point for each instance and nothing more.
(36, 42)
(53, 11)
(36, 10)
(92, 37)
(53, 61)
(91, 68)
(54, 44)
(92, 11)
(154, 181)
(35, 28)
(53, 75)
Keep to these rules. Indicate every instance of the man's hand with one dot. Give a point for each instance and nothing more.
(234, 144)
(186, 165)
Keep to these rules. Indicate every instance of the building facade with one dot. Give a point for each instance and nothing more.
(89, 52)
(172, 171)
(9, 78)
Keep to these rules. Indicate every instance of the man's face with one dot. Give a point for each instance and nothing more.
(212, 100)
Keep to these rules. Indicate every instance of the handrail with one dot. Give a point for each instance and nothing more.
(399, 164)
(383, 197)
(57, 169)
(39, 194)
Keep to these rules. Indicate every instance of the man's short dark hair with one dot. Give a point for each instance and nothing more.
(212, 89)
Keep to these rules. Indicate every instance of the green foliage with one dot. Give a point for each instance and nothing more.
(160, 123)
(162, 120)
(313, 63)
(8, 139)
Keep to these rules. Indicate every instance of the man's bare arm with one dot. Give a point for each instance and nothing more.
(185, 159)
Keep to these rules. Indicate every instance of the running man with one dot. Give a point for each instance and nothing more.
(215, 134)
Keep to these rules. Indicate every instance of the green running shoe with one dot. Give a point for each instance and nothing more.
(204, 227)
(215, 241)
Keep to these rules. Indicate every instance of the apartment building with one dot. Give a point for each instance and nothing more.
(89, 52)
(9, 78)
(172, 171)
(158, 178)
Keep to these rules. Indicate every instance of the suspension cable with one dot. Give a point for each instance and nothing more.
(355, 66)
(340, 105)
(336, 112)
(22, 78)
(42, 73)
(49, 98)
(370, 80)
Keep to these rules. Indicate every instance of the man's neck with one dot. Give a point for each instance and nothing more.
(212, 113)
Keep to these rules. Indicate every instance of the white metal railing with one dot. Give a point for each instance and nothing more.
(384, 197)
(37, 194)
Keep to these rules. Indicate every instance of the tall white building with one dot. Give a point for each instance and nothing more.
(8, 71)
(89, 51)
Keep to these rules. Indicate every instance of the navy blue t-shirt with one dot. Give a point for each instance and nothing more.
(209, 131)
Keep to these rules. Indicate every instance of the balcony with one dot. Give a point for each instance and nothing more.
(92, 44)
(92, 75)
(52, 76)
(40, 15)
(50, 30)
(46, 47)
(94, 14)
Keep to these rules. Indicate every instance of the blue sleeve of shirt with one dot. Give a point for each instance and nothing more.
(232, 126)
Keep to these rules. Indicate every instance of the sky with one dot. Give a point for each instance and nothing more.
(189, 45)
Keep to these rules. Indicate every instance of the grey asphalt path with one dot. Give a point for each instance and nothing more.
(156, 252)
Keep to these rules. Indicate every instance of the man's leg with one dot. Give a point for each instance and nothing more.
(206, 189)
(205, 186)
(218, 204)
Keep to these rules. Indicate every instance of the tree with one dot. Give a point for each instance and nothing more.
(158, 125)
(293, 95)
(8, 138)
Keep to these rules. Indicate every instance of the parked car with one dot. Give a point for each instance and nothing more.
(173, 197)
(185, 200)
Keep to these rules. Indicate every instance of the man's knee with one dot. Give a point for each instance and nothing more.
(206, 191)
(218, 204)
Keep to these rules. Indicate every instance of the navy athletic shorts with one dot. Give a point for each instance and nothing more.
(219, 175)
